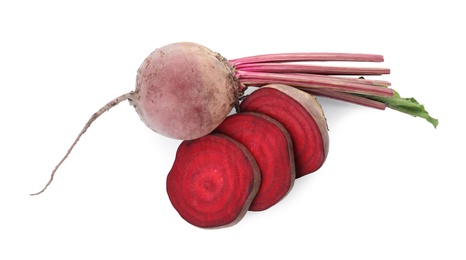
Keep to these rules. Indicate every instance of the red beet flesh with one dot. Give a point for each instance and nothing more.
(271, 145)
(308, 143)
(213, 181)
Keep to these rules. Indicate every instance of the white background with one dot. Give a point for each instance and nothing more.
(393, 187)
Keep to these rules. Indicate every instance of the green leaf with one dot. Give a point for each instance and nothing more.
(406, 105)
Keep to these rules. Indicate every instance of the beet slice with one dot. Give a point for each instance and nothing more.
(301, 115)
(271, 145)
(213, 181)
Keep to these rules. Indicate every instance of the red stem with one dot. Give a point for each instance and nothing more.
(306, 68)
(346, 97)
(308, 56)
(310, 81)
(380, 83)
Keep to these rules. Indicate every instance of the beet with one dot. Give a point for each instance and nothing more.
(184, 90)
(271, 145)
(213, 181)
(307, 130)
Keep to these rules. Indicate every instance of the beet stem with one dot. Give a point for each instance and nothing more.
(373, 82)
(114, 102)
(359, 100)
(307, 68)
(308, 56)
(310, 81)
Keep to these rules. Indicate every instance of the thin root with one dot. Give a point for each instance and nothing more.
(114, 102)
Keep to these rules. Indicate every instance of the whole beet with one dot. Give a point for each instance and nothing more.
(184, 90)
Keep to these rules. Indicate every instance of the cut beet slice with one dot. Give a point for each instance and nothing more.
(301, 115)
(271, 145)
(213, 181)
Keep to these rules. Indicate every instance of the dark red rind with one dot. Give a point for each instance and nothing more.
(271, 145)
(213, 181)
(307, 139)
